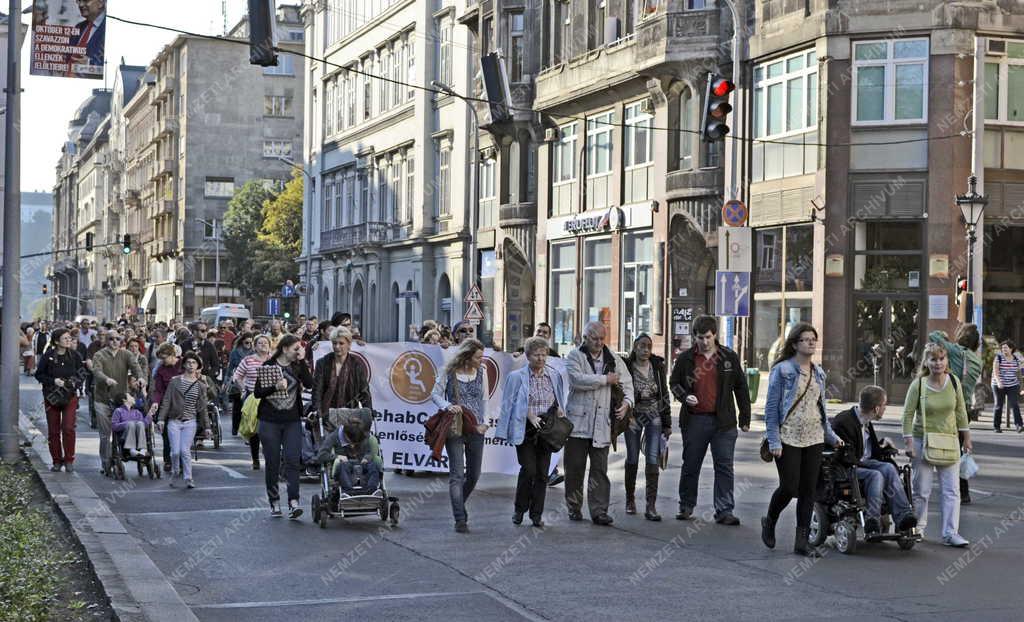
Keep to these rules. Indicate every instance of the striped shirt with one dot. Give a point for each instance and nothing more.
(190, 396)
(245, 373)
(1007, 371)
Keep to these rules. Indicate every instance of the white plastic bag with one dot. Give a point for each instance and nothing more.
(968, 467)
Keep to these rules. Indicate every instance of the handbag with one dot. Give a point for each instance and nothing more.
(765, 450)
(247, 426)
(554, 430)
(940, 448)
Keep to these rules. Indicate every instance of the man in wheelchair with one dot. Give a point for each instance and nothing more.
(878, 476)
(351, 447)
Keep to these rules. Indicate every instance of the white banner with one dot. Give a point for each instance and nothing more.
(402, 377)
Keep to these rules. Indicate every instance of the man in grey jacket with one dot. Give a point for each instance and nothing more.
(593, 370)
(113, 368)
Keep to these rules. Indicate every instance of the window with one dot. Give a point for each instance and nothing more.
(296, 35)
(786, 95)
(637, 284)
(695, 4)
(890, 81)
(397, 209)
(1004, 85)
(597, 281)
(339, 203)
(410, 71)
(350, 98)
(384, 92)
(598, 13)
(599, 144)
(367, 88)
(383, 194)
(285, 66)
(639, 148)
(687, 125)
(444, 56)
(219, 188)
(783, 276)
(562, 259)
(341, 101)
(564, 160)
(349, 212)
(488, 193)
(325, 211)
(442, 202)
(887, 256)
(397, 66)
(277, 106)
(516, 49)
(277, 148)
(329, 93)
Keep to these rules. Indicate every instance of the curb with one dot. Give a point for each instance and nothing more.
(136, 588)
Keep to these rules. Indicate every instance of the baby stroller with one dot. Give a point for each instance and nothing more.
(361, 501)
(840, 506)
(146, 462)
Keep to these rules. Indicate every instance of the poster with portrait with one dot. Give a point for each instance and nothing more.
(69, 38)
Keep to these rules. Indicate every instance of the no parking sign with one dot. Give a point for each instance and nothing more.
(734, 213)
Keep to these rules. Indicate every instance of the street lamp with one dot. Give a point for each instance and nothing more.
(216, 268)
(972, 205)
(475, 203)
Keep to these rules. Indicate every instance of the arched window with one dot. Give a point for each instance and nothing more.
(372, 326)
(357, 305)
(410, 317)
(687, 122)
(325, 303)
(444, 301)
(400, 334)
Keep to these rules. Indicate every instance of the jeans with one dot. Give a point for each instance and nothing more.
(344, 474)
(465, 456)
(532, 485)
(135, 436)
(949, 489)
(700, 432)
(649, 435)
(577, 452)
(798, 469)
(1010, 396)
(181, 435)
(60, 431)
(103, 413)
(274, 436)
(881, 481)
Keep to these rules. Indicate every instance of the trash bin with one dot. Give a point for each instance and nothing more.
(753, 382)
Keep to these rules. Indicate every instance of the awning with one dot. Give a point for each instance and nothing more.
(148, 298)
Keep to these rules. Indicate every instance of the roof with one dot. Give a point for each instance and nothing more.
(130, 78)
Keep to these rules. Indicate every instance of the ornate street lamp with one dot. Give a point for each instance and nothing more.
(972, 205)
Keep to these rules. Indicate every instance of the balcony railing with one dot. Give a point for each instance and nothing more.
(363, 234)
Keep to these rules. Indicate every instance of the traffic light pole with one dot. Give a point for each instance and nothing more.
(9, 397)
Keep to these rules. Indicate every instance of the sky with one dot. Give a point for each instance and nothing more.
(49, 103)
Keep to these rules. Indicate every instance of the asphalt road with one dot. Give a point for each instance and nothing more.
(227, 558)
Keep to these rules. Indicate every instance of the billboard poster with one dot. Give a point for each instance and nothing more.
(68, 38)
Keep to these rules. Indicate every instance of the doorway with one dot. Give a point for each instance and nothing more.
(887, 344)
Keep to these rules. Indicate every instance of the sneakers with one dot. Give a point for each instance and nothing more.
(275, 510)
(189, 484)
(517, 518)
(56, 467)
(684, 514)
(603, 520)
(727, 519)
(955, 540)
(294, 511)
(538, 522)
(461, 527)
(872, 526)
(575, 515)
(68, 468)
(907, 523)
(556, 478)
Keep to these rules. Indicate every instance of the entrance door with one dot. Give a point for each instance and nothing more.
(887, 344)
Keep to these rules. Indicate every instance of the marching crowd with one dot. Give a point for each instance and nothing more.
(137, 377)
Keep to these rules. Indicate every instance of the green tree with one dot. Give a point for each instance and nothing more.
(282, 218)
(243, 222)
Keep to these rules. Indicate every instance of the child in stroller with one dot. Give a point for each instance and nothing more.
(129, 423)
(357, 466)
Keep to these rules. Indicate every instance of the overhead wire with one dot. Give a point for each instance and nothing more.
(562, 116)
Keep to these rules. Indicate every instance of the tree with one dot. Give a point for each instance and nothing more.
(243, 222)
(280, 235)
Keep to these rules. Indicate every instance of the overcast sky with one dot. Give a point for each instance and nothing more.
(49, 103)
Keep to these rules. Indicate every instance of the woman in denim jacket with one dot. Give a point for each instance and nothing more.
(797, 429)
(529, 393)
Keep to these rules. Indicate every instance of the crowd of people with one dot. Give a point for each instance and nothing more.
(133, 374)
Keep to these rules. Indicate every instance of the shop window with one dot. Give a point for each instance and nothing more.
(783, 286)
(1002, 260)
(637, 285)
(888, 256)
(597, 281)
(562, 259)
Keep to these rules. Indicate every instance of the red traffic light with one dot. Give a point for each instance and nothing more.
(961, 285)
(722, 87)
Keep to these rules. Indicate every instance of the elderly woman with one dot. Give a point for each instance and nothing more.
(651, 424)
(934, 406)
(339, 380)
(530, 393)
(463, 386)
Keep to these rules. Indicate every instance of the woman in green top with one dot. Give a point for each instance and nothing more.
(941, 410)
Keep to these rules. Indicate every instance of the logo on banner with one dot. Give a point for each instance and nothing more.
(493, 374)
(412, 377)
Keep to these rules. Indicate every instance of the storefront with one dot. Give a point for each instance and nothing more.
(601, 268)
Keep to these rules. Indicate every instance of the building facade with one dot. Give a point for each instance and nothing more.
(387, 212)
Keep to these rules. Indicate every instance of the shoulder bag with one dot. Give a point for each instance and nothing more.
(554, 430)
(940, 448)
(766, 452)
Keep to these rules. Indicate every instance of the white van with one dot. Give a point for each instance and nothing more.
(213, 316)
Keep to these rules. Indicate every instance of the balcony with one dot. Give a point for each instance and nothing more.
(168, 126)
(166, 167)
(353, 236)
(511, 214)
(164, 88)
(167, 207)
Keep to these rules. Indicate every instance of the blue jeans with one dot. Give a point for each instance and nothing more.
(649, 435)
(344, 473)
(881, 481)
(1007, 395)
(274, 436)
(465, 456)
(702, 431)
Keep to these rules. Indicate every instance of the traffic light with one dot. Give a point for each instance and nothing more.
(262, 39)
(961, 290)
(126, 244)
(46, 289)
(716, 108)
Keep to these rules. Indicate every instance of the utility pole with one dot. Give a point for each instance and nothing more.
(9, 398)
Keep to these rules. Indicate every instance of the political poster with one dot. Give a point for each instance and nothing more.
(402, 378)
(69, 38)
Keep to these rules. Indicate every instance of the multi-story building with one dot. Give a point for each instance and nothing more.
(859, 112)
(628, 195)
(386, 226)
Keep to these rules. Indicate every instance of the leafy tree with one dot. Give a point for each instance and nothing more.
(243, 222)
(282, 218)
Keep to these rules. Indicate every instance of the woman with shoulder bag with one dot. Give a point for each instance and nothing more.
(244, 377)
(531, 393)
(651, 425)
(1006, 386)
(463, 386)
(797, 429)
(934, 414)
(61, 372)
(183, 413)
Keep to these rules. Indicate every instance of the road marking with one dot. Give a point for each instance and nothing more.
(233, 473)
(199, 489)
(190, 512)
(332, 601)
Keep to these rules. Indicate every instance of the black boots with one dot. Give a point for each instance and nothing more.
(768, 531)
(651, 491)
(631, 470)
(800, 545)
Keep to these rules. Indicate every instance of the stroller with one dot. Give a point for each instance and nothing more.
(361, 501)
(839, 508)
(146, 462)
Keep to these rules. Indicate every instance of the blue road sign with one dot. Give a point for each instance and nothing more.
(732, 293)
(273, 306)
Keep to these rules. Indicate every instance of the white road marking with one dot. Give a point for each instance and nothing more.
(331, 601)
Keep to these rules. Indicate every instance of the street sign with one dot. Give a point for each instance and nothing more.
(273, 306)
(474, 295)
(473, 313)
(288, 290)
(734, 213)
(735, 249)
(732, 293)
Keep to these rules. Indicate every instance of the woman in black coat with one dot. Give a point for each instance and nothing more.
(339, 380)
(61, 372)
(651, 422)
